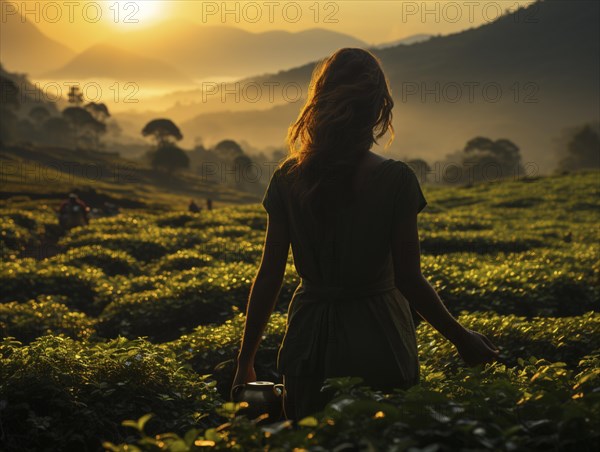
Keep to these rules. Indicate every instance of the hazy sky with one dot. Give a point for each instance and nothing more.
(79, 24)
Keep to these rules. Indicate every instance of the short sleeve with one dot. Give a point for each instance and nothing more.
(272, 200)
(409, 199)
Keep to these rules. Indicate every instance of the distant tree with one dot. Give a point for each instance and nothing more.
(421, 169)
(75, 96)
(98, 111)
(485, 159)
(583, 149)
(170, 158)
(163, 131)
(77, 116)
(83, 124)
(228, 150)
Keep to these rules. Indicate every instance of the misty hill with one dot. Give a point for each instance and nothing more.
(543, 59)
(243, 125)
(30, 95)
(202, 51)
(107, 61)
(25, 48)
(50, 173)
(409, 40)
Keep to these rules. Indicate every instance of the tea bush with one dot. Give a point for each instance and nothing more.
(182, 301)
(166, 312)
(13, 239)
(175, 219)
(26, 279)
(124, 285)
(481, 242)
(213, 349)
(535, 405)
(185, 300)
(556, 339)
(232, 250)
(111, 262)
(183, 260)
(143, 247)
(61, 394)
(552, 282)
(48, 315)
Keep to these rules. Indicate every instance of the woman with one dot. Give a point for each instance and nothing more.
(351, 218)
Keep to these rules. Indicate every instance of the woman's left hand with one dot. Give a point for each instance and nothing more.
(243, 374)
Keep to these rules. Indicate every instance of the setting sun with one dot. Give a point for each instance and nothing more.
(128, 13)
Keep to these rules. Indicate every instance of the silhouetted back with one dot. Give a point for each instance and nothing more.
(347, 318)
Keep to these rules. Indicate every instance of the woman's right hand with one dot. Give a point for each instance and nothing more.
(475, 348)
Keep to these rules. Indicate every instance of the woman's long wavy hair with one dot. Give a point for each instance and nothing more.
(349, 107)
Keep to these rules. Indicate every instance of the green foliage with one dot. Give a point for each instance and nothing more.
(170, 158)
(13, 239)
(164, 313)
(184, 260)
(553, 282)
(581, 151)
(48, 315)
(163, 131)
(18, 229)
(26, 279)
(111, 262)
(213, 349)
(535, 405)
(62, 394)
(564, 339)
(517, 261)
(183, 302)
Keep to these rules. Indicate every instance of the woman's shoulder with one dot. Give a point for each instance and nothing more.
(402, 175)
(285, 169)
(401, 165)
(401, 169)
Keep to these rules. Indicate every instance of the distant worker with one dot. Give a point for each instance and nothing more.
(208, 204)
(193, 207)
(73, 212)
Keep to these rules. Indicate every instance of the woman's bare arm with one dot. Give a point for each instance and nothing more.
(473, 347)
(265, 289)
(414, 286)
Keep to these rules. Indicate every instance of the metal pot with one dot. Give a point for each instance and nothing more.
(262, 397)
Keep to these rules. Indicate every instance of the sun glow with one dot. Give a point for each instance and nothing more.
(135, 13)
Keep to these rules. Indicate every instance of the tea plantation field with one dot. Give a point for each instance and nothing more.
(125, 338)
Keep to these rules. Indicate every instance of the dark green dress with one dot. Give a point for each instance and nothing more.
(346, 317)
